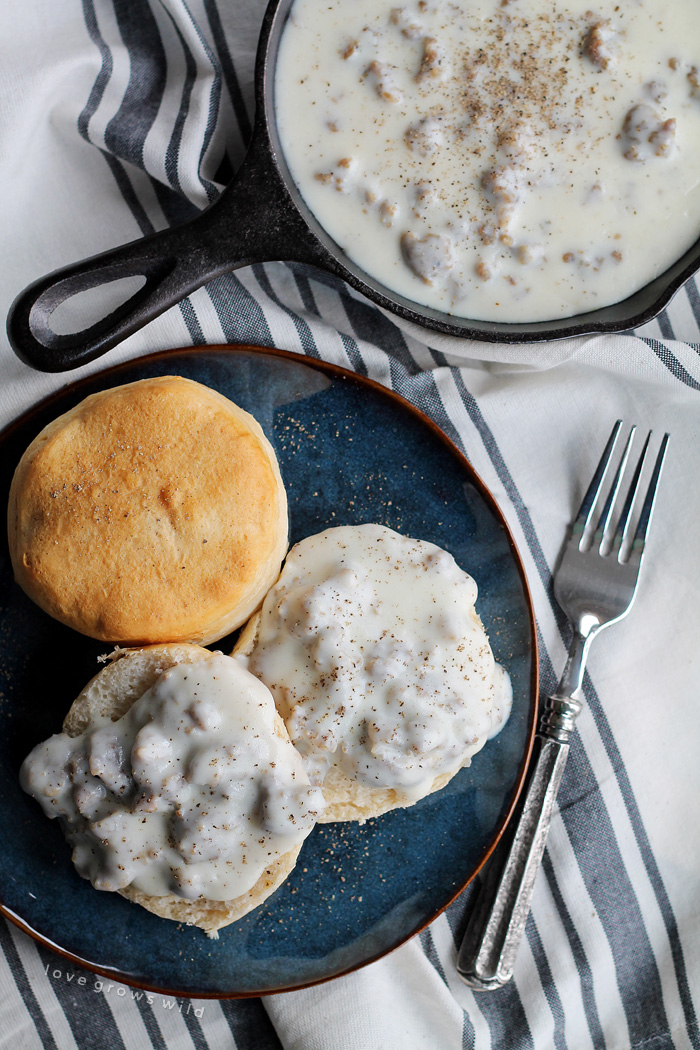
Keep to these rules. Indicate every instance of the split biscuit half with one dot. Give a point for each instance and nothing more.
(110, 694)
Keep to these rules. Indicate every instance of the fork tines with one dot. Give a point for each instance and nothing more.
(612, 531)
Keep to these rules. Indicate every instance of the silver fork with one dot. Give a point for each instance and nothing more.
(594, 583)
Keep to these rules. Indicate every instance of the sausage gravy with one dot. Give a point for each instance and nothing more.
(189, 793)
(506, 160)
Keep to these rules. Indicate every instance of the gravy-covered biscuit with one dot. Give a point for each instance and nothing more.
(379, 665)
(154, 511)
(176, 785)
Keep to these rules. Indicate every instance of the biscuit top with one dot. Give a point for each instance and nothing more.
(154, 511)
(194, 791)
(377, 660)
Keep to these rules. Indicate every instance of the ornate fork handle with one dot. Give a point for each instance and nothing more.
(497, 924)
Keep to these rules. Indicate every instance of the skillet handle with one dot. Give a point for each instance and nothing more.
(165, 259)
(253, 220)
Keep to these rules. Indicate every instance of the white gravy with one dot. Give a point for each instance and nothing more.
(508, 160)
(189, 793)
(378, 662)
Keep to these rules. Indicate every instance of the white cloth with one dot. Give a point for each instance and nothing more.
(105, 134)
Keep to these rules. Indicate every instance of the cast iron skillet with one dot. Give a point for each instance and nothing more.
(260, 217)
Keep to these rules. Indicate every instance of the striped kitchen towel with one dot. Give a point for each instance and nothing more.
(119, 119)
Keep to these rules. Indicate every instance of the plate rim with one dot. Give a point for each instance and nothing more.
(346, 375)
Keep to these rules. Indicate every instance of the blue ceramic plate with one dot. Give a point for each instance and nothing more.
(350, 452)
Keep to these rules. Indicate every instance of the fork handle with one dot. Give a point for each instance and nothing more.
(497, 923)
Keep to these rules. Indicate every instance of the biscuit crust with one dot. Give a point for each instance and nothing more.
(154, 511)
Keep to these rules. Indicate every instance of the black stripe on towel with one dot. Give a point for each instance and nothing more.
(173, 152)
(24, 987)
(148, 1017)
(127, 130)
(194, 1027)
(250, 1025)
(431, 953)
(691, 290)
(308, 343)
(547, 981)
(93, 1028)
(665, 325)
(583, 968)
(669, 359)
(228, 69)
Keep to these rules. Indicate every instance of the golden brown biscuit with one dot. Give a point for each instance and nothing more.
(111, 693)
(151, 512)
